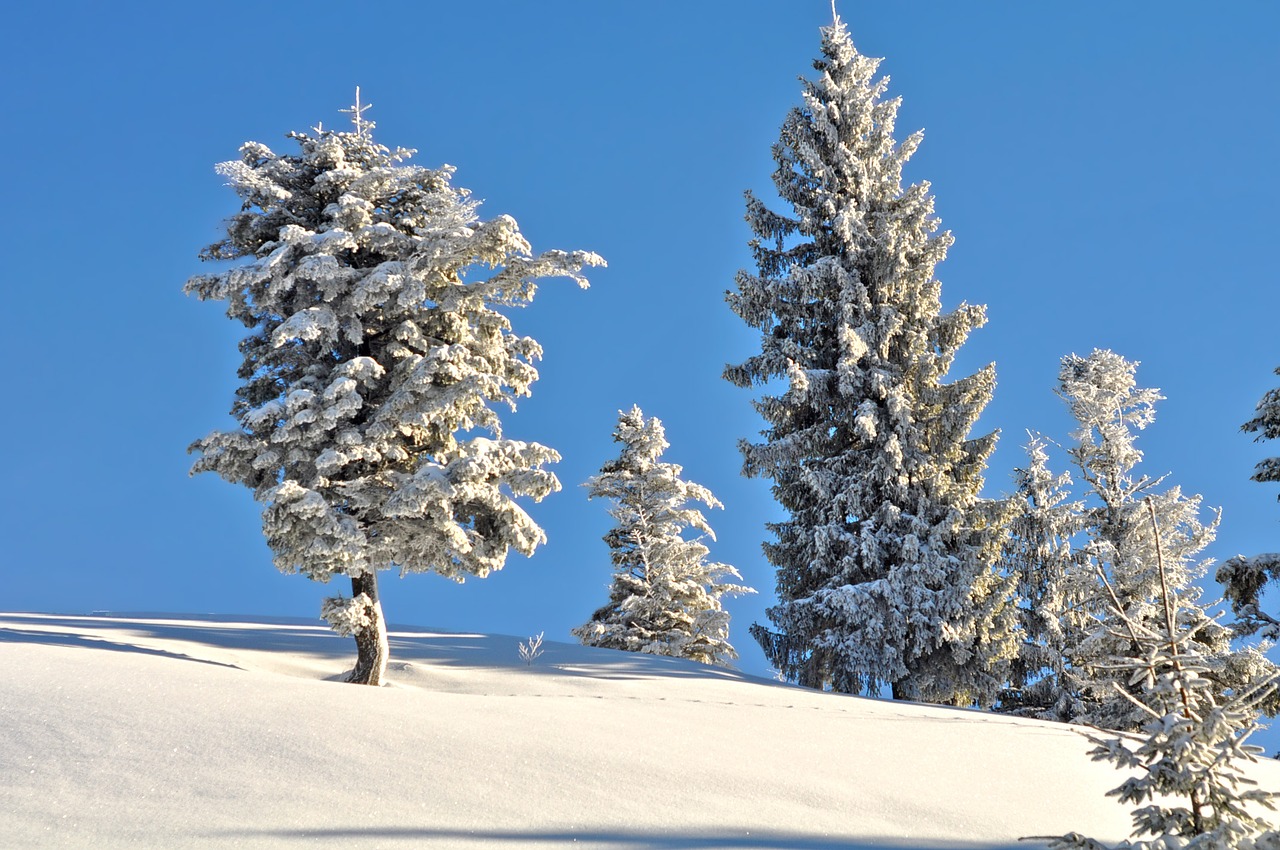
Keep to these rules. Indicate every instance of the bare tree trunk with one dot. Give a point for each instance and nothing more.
(371, 641)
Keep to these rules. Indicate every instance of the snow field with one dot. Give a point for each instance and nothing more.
(171, 732)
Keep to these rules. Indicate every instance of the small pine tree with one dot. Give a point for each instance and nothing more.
(886, 560)
(665, 596)
(1108, 406)
(1189, 790)
(1245, 577)
(1052, 587)
(373, 359)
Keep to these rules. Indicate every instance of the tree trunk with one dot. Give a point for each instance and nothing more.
(371, 641)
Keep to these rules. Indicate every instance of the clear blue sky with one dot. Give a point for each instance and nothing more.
(1109, 172)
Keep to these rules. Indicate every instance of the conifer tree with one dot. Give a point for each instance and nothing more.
(1053, 589)
(886, 558)
(1109, 407)
(1246, 577)
(665, 596)
(1188, 790)
(374, 359)
(1266, 424)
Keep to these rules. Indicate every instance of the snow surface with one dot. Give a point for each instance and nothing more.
(178, 731)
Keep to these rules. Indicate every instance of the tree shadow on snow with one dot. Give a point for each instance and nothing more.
(636, 840)
(313, 638)
(127, 632)
(77, 641)
(556, 659)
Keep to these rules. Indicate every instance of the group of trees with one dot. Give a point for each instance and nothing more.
(375, 356)
(1075, 561)
(894, 571)
(377, 352)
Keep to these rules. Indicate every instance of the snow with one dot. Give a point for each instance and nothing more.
(175, 731)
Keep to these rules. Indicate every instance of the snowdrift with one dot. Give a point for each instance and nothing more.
(177, 731)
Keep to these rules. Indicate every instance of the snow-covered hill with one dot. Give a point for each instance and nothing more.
(174, 731)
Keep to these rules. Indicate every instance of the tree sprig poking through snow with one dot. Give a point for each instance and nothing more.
(531, 649)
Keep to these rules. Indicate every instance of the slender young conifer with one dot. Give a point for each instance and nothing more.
(665, 595)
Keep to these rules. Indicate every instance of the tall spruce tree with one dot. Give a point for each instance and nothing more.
(373, 363)
(1246, 577)
(665, 596)
(1054, 587)
(1108, 406)
(885, 562)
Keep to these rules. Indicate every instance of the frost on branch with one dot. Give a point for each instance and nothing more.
(530, 650)
(886, 558)
(346, 616)
(377, 359)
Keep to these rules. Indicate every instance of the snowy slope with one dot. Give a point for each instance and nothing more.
(181, 732)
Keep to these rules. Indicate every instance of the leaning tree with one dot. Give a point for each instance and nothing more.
(886, 557)
(375, 357)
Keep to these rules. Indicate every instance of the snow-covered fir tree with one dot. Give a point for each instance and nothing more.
(886, 558)
(374, 360)
(1266, 424)
(1189, 791)
(1246, 577)
(1054, 586)
(1109, 408)
(665, 595)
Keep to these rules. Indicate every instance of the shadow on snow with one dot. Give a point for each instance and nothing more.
(636, 840)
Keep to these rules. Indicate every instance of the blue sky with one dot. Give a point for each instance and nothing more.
(1109, 175)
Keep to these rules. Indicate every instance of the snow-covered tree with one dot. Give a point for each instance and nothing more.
(665, 596)
(1108, 406)
(886, 558)
(1188, 788)
(1054, 586)
(374, 359)
(1266, 424)
(1245, 577)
